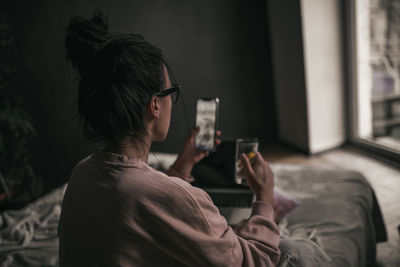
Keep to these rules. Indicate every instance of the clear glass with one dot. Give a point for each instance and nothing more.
(243, 145)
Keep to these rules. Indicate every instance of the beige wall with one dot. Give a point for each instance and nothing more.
(322, 42)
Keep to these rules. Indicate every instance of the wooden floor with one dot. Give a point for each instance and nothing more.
(384, 179)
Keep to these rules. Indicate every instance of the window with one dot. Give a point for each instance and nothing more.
(375, 50)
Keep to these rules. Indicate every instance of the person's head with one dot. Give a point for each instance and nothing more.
(122, 78)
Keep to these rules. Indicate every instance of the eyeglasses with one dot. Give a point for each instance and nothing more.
(173, 91)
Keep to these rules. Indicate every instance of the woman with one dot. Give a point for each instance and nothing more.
(118, 211)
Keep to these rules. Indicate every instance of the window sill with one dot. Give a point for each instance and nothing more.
(378, 149)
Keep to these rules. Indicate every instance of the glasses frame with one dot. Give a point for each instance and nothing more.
(175, 88)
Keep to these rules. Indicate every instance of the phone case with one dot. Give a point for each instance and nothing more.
(214, 147)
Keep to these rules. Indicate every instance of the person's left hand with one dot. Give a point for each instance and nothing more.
(189, 155)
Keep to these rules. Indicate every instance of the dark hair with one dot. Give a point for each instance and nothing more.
(118, 75)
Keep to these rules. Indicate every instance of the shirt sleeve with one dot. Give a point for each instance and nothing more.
(186, 224)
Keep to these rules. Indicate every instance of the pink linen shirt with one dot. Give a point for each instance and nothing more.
(118, 211)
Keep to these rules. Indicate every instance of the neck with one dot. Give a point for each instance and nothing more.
(131, 148)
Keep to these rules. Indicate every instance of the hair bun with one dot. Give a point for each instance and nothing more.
(84, 38)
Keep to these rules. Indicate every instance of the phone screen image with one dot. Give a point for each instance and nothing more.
(206, 119)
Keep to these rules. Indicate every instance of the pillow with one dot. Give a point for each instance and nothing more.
(283, 205)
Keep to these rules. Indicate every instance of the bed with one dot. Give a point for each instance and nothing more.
(338, 211)
(337, 223)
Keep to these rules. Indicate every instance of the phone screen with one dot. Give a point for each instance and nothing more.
(206, 119)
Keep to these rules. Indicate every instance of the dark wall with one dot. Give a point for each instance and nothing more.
(215, 48)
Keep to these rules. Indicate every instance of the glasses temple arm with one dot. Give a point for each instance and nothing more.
(184, 111)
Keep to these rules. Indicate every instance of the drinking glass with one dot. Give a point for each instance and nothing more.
(246, 146)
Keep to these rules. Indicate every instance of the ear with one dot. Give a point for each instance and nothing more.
(154, 107)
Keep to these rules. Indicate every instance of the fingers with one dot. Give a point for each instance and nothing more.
(259, 158)
(192, 135)
(247, 165)
(218, 141)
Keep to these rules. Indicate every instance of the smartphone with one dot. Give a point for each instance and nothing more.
(207, 119)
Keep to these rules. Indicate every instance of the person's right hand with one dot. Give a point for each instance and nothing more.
(259, 177)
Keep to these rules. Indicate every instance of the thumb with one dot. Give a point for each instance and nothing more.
(195, 131)
(192, 134)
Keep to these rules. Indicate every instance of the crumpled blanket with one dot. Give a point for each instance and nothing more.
(28, 237)
(338, 211)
